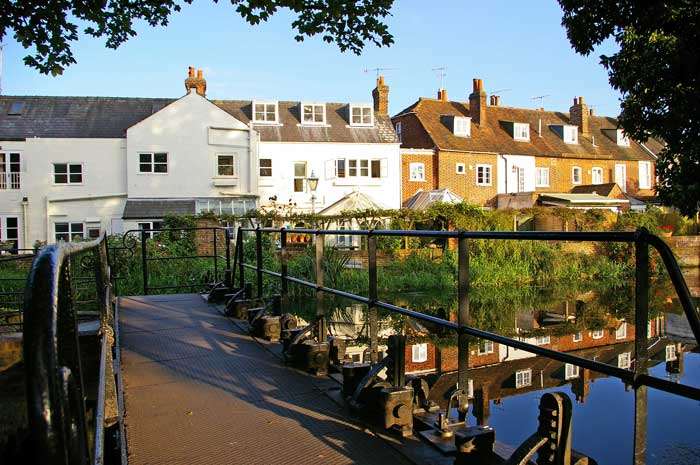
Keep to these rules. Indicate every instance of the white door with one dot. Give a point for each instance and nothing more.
(621, 177)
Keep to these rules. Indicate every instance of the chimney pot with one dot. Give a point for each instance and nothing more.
(198, 83)
(442, 95)
(477, 102)
(380, 95)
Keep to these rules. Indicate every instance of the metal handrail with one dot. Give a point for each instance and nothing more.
(54, 382)
(641, 238)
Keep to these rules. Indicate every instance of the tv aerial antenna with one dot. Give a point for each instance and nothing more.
(379, 70)
(500, 91)
(541, 99)
(442, 73)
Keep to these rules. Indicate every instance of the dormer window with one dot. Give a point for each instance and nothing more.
(361, 115)
(622, 139)
(461, 126)
(570, 134)
(521, 131)
(16, 108)
(313, 113)
(265, 112)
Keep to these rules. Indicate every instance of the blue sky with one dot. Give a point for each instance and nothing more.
(519, 46)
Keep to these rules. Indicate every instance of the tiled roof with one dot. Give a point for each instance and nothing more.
(109, 117)
(157, 209)
(493, 136)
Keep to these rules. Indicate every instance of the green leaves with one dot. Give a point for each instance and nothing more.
(50, 27)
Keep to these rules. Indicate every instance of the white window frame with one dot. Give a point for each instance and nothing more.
(460, 168)
(622, 139)
(71, 233)
(541, 181)
(362, 109)
(4, 229)
(542, 340)
(303, 178)
(598, 333)
(152, 224)
(265, 112)
(233, 165)
(11, 176)
(485, 347)
(92, 227)
(314, 108)
(599, 170)
(461, 126)
(68, 173)
(419, 353)
(671, 353)
(397, 130)
(621, 331)
(577, 336)
(571, 371)
(414, 169)
(570, 134)
(574, 169)
(645, 181)
(488, 173)
(523, 378)
(624, 360)
(152, 163)
(521, 132)
(261, 168)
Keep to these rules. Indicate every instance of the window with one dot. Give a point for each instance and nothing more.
(93, 232)
(622, 139)
(576, 175)
(521, 131)
(460, 168)
(671, 354)
(542, 340)
(299, 176)
(597, 334)
(264, 112)
(578, 337)
(153, 162)
(417, 172)
(624, 360)
(485, 347)
(16, 108)
(644, 175)
(67, 173)
(542, 177)
(352, 167)
(376, 168)
(483, 175)
(9, 231)
(461, 126)
(571, 134)
(149, 226)
(597, 175)
(226, 165)
(523, 378)
(419, 353)
(364, 168)
(397, 128)
(10, 167)
(69, 232)
(571, 371)
(361, 115)
(312, 113)
(340, 168)
(621, 331)
(265, 167)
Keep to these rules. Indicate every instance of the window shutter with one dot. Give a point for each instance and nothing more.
(383, 168)
(330, 169)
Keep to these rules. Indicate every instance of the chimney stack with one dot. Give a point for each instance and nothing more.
(495, 100)
(198, 83)
(477, 102)
(579, 115)
(442, 95)
(380, 95)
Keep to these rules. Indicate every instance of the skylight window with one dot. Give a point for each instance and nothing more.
(313, 113)
(521, 131)
(16, 108)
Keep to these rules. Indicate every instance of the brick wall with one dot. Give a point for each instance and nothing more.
(204, 239)
(464, 184)
(408, 187)
(686, 249)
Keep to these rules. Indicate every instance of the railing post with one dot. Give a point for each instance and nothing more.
(641, 343)
(144, 262)
(284, 294)
(227, 274)
(239, 252)
(320, 312)
(259, 260)
(215, 231)
(372, 310)
(463, 311)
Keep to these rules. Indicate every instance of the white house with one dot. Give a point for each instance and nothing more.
(73, 166)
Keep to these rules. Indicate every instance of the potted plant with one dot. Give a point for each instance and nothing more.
(666, 230)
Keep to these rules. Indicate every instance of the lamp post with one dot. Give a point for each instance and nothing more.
(313, 184)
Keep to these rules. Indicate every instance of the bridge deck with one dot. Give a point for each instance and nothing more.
(198, 390)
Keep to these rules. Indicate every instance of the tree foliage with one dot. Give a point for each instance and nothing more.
(50, 27)
(657, 70)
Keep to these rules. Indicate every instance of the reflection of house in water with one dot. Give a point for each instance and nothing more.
(349, 323)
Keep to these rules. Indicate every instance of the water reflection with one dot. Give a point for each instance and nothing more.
(505, 384)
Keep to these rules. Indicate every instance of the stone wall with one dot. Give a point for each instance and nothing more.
(686, 249)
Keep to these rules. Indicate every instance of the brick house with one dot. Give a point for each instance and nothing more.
(480, 151)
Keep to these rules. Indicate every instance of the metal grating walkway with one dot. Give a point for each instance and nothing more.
(198, 390)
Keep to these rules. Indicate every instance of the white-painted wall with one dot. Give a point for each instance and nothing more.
(192, 131)
(507, 177)
(386, 191)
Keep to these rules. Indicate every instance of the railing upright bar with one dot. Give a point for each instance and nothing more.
(320, 313)
(463, 311)
(259, 261)
(372, 310)
(215, 232)
(284, 284)
(641, 345)
(144, 262)
(239, 252)
(227, 274)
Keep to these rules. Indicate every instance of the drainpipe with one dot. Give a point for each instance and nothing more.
(47, 218)
(25, 235)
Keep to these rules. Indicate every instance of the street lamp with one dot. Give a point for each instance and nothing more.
(313, 184)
